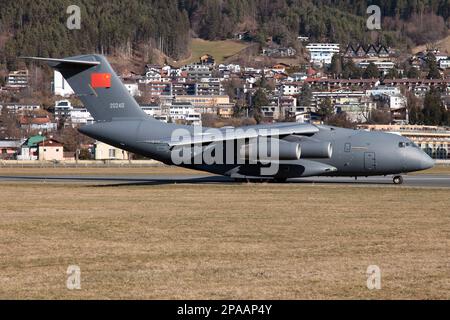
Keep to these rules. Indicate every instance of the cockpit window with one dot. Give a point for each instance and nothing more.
(402, 145)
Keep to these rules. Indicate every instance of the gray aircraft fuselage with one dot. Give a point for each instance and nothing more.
(355, 152)
(325, 150)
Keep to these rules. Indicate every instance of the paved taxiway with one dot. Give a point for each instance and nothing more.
(442, 181)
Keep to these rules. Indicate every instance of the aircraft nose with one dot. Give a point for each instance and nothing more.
(426, 162)
(417, 160)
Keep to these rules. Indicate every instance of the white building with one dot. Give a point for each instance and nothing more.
(356, 104)
(152, 76)
(133, 88)
(104, 151)
(152, 109)
(81, 116)
(155, 111)
(289, 89)
(184, 111)
(440, 57)
(444, 63)
(397, 101)
(380, 90)
(62, 109)
(17, 79)
(76, 115)
(392, 95)
(233, 68)
(383, 66)
(299, 76)
(19, 107)
(60, 86)
(303, 117)
(193, 118)
(303, 39)
(322, 53)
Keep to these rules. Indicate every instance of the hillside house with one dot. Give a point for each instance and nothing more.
(9, 149)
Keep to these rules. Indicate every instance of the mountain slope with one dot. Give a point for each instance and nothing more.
(119, 27)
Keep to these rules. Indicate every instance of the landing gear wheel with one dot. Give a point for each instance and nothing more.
(280, 180)
(398, 180)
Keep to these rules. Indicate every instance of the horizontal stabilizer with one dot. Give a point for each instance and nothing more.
(55, 63)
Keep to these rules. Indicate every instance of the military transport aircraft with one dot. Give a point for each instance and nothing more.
(274, 152)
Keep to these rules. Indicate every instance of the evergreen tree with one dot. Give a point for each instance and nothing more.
(371, 71)
(433, 67)
(413, 73)
(306, 96)
(336, 66)
(414, 109)
(351, 71)
(393, 74)
(433, 110)
(259, 100)
(325, 109)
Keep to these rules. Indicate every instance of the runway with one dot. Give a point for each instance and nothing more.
(440, 181)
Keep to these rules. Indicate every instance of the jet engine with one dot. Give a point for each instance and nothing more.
(266, 149)
(312, 148)
(316, 150)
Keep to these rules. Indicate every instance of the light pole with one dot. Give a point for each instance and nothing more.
(43, 146)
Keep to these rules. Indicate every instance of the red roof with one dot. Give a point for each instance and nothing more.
(38, 120)
(50, 143)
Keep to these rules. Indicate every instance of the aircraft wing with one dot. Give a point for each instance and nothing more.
(226, 134)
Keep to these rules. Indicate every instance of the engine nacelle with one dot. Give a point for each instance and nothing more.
(316, 149)
(266, 149)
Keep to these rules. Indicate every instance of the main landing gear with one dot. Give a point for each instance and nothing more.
(398, 180)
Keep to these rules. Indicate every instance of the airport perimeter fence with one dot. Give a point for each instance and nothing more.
(445, 163)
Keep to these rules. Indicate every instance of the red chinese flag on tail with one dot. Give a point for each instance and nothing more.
(101, 80)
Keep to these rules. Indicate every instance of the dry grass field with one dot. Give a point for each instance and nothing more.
(220, 50)
(443, 45)
(230, 241)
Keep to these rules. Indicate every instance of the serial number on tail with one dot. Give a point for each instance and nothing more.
(117, 105)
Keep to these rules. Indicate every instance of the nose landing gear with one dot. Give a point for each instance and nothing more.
(398, 180)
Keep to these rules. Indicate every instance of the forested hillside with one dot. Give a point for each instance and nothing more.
(39, 27)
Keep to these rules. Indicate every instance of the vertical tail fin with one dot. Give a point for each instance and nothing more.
(97, 85)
